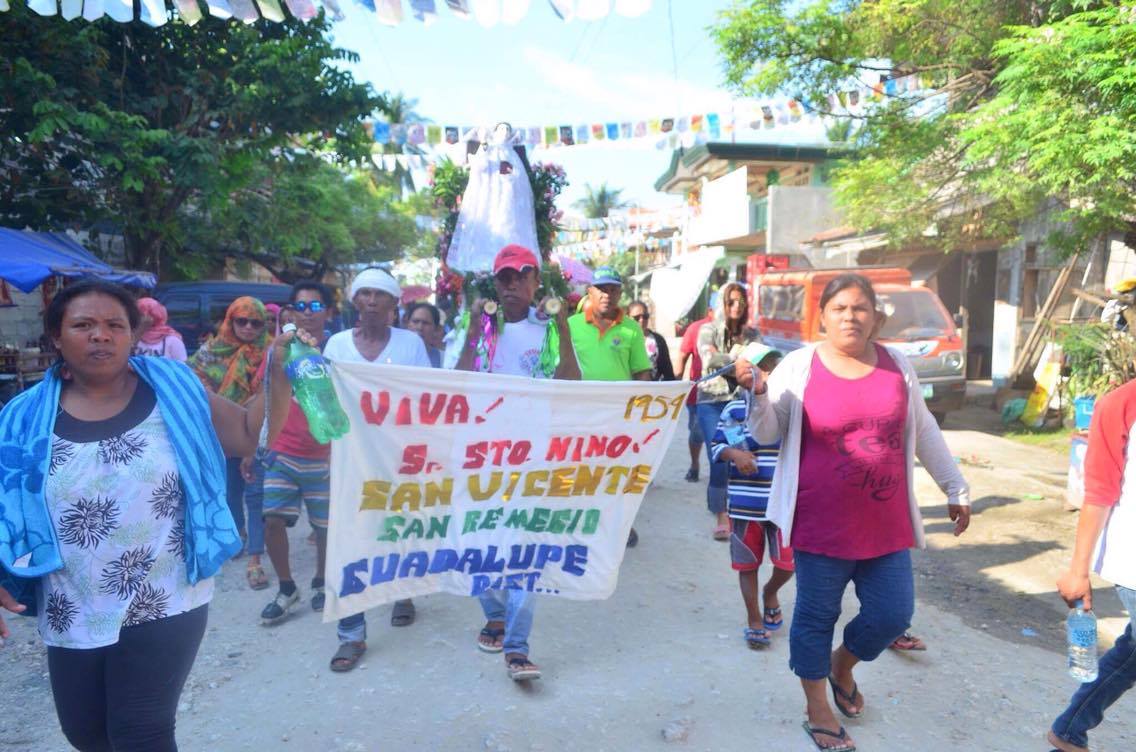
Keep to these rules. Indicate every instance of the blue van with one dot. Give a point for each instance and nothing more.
(197, 308)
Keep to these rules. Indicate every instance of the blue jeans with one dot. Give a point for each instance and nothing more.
(515, 608)
(254, 503)
(352, 628)
(708, 414)
(235, 490)
(886, 589)
(1116, 676)
(696, 437)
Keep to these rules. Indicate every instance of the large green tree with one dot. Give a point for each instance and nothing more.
(150, 130)
(1021, 105)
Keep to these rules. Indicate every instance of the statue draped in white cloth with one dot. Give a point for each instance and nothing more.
(497, 206)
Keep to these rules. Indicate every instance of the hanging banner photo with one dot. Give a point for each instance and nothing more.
(461, 482)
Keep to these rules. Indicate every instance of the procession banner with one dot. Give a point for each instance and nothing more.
(465, 482)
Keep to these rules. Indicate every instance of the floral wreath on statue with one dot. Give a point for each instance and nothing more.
(454, 290)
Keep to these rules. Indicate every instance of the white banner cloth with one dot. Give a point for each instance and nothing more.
(461, 482)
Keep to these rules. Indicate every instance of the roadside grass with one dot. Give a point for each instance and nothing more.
(1047, 438)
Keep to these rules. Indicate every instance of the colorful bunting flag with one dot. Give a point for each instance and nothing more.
(682, 125)
(668, 125)
(398, 134)
(625, 130)
(244, 10)
(696, 123)
(416, 134)
(424, 11)
(459, 8)
(433, 134)
(641, 129)
(853, 98)
(598, 133)
(654, 126)
(305, 10)
(713, 124)
(582, 133)
(612, 131)
(534, 136)
(271, 10)
(383, 133)
(389, 12)
(566, 135)
(551, 133)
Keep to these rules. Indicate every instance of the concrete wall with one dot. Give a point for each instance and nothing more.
(797, 213)
(24, 321)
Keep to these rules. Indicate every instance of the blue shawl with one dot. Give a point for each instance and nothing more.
(27, 534)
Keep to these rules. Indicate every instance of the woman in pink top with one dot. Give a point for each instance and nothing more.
(851, 417)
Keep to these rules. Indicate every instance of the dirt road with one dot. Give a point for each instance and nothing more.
(665, 652)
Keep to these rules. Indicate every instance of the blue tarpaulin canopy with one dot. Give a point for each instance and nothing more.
(28, 258)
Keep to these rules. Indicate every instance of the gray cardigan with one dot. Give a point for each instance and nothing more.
(778, 415)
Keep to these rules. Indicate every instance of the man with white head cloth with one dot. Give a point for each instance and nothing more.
(375, 295)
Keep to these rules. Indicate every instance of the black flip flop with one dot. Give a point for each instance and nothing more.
(839, 694)
(842, 735)
(492, 634)
(402, 615)
(349, 653)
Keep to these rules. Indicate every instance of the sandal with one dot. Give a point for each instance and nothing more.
(722, 533)
(257, 579)
(908, 641)
(495, 639)
(842, 735)
(402, 615)
(839, 694)
(757, 638)
(522, 669)
(770, 615)
(347, 656)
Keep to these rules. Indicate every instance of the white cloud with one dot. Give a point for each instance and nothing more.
(622, 95)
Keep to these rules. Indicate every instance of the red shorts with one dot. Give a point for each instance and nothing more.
(747, 546)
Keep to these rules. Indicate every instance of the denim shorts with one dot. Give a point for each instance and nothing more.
(885, 586)
(693, 425)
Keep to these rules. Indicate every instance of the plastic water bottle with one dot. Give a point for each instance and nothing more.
(1081, 633)
(311, 383)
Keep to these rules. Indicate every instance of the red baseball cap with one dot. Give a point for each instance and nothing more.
(515, 257)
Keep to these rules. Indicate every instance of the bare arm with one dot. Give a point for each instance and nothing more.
(642, 375)
(569, 368)
(469, 347)
(680, 364)
(1074, 585)
(237, 427)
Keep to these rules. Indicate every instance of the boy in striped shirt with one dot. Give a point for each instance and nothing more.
(750, 477)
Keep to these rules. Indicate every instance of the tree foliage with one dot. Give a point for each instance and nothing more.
(162, 132)
(598, 202)
(1021, 104)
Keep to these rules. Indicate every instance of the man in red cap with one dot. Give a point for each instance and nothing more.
(516, 277)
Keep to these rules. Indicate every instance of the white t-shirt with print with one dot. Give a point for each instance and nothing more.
(518, 348)
(404, 348)
(119, 512)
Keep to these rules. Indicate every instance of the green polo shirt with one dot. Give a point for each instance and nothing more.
(615, 355)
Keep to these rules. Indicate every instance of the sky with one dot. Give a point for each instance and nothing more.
(544, 71)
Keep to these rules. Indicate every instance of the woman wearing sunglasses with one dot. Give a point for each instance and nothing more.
(227, 365)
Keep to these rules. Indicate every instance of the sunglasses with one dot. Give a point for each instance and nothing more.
(314, 306)
(242, 321)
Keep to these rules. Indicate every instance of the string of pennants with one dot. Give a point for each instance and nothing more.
(666, 130)
(488, 13)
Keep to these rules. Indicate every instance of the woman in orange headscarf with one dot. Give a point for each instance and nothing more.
(227, 364)
(228, 361)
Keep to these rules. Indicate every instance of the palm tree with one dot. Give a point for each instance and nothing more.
(599, 202)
